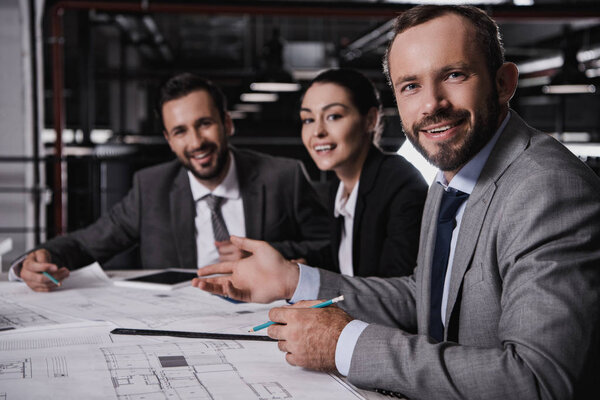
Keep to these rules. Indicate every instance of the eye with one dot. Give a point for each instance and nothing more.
(408, 87)
(457, 75)
(306, 121)
(178, 132)
(333, 117)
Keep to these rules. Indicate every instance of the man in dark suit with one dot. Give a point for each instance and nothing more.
(167, 212)
(505, 298)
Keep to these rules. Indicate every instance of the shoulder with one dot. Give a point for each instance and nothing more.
(547, 159)
(393, 170)
(164, 172)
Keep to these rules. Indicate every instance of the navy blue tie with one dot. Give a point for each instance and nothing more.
(451, 201)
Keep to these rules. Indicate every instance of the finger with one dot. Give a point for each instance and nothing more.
(291, 359)
(39, 267)
(276, 332)
(235, 293)
(208, 286)
(220, 268)
(282, 345)
(222, 243)
(305, 304)
(279, 315)
(247, 244)
(41, 255)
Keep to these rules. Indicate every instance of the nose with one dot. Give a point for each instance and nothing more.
(196, 139)
(435, 99)
(319, 128)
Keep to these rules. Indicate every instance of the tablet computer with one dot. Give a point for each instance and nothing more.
(163, 280)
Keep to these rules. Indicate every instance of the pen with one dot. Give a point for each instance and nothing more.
(320, 305)
(53, 279)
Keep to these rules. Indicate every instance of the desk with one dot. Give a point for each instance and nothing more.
(62, 348)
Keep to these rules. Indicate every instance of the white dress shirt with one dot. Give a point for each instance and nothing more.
(345, 206)
(232, 209)
(310, 281)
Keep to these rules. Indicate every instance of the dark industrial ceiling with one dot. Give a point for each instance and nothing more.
(117, 52)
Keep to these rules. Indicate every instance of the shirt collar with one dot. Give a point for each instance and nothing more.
(229, 188)
(345, 205)
(467, 176)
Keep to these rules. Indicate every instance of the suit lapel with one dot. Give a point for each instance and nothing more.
(253, 195)
(426, 246)
(510, 145)
(367, 179)
(183, 212)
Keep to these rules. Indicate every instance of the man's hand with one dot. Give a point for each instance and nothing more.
(230, 252)
(37, 262)
(310, 335)
(263, 277)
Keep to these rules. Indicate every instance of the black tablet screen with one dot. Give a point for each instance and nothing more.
(166, 277)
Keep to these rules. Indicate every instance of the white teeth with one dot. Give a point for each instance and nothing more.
(199, 156)
(440, 129)
(324, 147)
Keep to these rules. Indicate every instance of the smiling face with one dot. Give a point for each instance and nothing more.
(197, 136)
(448, 103)
(334, 132)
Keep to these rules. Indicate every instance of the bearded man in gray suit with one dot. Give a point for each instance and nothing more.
(514, 313)
(168, 211)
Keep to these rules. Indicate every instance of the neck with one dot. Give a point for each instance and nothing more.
(350, 174)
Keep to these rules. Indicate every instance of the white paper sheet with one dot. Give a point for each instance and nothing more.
(92, 364)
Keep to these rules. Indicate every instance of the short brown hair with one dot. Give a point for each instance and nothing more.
(486, 30)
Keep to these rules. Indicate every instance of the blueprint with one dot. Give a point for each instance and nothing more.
(58, 345)
(90, 363)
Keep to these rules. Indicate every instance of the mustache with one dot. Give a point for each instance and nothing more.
(441, 115)
(205, 147)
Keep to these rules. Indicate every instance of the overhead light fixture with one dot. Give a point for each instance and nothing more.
(275, 87)
(248, 108)
(568, 89)
(259, 97)
(570, 79)
(237, 114)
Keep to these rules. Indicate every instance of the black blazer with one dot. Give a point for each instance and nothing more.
(387, 218)
(280, 206)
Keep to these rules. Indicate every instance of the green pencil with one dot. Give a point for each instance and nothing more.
(53, 279)
(320, 305)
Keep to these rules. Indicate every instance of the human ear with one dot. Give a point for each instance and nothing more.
(229, 127)
(507, 78)
(371, 120)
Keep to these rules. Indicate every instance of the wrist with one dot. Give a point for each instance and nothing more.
(291, 281)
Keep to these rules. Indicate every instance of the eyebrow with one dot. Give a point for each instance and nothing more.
(326, 107)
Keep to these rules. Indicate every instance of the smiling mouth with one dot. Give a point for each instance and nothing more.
(324, 147)
(444, 128)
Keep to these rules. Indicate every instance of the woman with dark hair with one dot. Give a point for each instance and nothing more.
(377, 200)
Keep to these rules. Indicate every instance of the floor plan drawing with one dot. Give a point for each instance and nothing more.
(15, 369)
(199, 370)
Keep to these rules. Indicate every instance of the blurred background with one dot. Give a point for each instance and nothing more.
(90, 70)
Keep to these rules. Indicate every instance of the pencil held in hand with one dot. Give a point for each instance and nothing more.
(320, 305)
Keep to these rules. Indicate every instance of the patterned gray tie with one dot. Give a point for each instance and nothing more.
(218, 224)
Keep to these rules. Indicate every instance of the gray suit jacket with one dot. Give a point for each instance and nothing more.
(280, 206)
(524, 299)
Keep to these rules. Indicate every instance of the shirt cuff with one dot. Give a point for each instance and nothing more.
(346, 343)
(14, 273)
(308, 284)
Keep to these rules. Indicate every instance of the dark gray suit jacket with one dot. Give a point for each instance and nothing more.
(280, 206)
(523, 313)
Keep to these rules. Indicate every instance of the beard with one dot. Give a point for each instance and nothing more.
(210, 172)
(451, 156)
